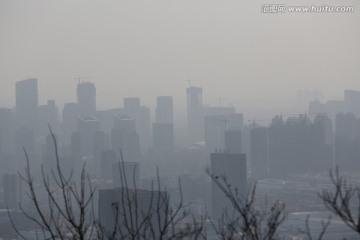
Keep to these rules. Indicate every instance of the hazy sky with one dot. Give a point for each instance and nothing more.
(150, 47)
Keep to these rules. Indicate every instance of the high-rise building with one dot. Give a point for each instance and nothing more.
(48, 115)
(163, 130)
(86, 96)
(299, 145)
(141, 114)
(125, 138)
(125, 122)
(164, 109)
(87, 142)
(27, 103)
(163, 141)
(232, 167)
(131, 104)
(108, 158)
(69, 122)
(233, 143)
(87, 124)
(195, 114)
(215, 127)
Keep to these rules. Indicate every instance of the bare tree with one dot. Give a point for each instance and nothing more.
(307, 231)
(157, 218)
(68, 211)
(248, 220)
(343, 200)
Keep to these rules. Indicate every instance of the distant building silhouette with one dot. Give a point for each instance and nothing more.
(231, 166)
(195, 114)
(48, 115)
(299, 145)
(87, 143)
(233, 141)
(27, 103)
(163, 130)
(124, 138)
(216, 126)
(163, 141)
(141, 114)
(108, 158)
(69, 121)
(86, 98)
(164, 109)
(350, 104)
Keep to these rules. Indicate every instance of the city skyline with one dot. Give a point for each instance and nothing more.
(135, 49)
(179, 119)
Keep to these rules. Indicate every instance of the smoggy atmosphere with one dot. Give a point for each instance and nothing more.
(179, 119)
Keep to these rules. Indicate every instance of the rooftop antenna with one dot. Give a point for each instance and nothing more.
(190, 81)
(81, 78)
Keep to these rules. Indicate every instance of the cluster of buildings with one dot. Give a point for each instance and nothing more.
(128, 138)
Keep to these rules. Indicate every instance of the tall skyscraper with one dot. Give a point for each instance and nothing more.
(232, 166)
(87, 142)
(215, 126)
(163, 141)
(48, 114)
(131, 104)
(69, 121)
(233, 142)
(108, 158)
(163, 130)
(215, 131)
(141, 114)
(195, 114)
(86, 96)
(27, 103)
(125, 138)
(164, 109)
